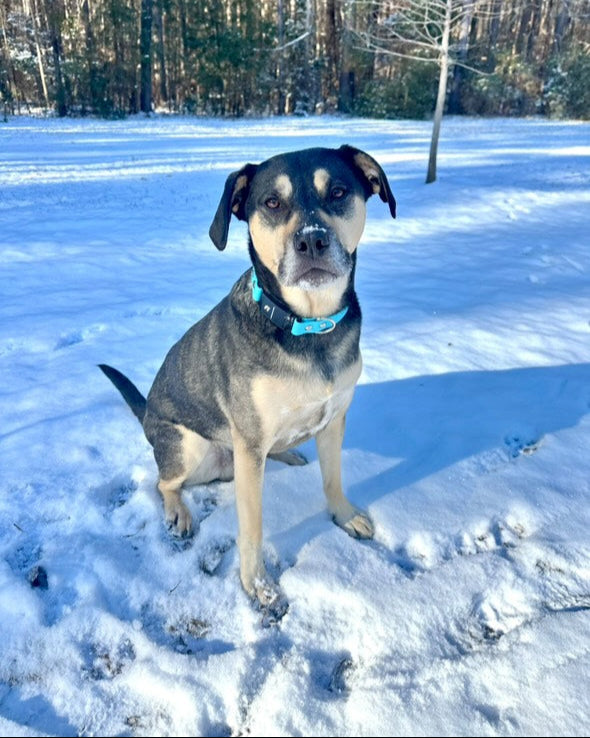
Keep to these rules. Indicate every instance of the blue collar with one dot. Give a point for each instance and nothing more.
(284, 319)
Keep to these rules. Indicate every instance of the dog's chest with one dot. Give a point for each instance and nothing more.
(294, 409)
(309, 416)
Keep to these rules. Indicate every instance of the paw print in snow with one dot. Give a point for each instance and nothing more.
(517, 446)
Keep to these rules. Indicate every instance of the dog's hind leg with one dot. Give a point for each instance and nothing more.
(176, 514)
(183, 455)
(329, 443)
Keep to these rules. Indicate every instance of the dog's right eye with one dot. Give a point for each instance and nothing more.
(272, 203)
(337, 193)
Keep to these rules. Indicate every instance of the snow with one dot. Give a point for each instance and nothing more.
(467, 441)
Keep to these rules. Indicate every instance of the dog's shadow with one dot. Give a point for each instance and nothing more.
(427, 423)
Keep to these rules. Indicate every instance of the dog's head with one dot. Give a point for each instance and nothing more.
(305, 212)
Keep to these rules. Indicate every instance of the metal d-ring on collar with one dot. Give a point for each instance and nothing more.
(286, 320)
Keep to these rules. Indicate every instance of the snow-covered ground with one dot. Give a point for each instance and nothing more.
(468, 440)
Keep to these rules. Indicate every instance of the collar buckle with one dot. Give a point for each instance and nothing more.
(305, 326)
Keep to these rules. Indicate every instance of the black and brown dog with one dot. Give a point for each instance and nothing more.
(277, 360)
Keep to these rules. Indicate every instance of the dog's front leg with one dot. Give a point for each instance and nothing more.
(248, 475)
(329, 444)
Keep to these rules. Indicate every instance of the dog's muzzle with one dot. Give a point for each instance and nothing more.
(315, 258)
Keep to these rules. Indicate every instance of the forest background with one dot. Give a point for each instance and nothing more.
(375, 58)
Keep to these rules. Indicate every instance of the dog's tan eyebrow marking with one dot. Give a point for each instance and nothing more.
(321, 177)
(284, 186)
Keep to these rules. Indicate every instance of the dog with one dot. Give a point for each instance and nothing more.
(276, 362)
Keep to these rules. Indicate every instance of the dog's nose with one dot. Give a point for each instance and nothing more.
(312, 241)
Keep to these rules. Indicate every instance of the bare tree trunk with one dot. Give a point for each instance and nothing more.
(39, 53)
(442, 93)
(346, 71)
(145, 53)
(54, 23)
(180, 87)
(562, 21)
(280, 59)
(310, 75)
(13, 91)
(333, 62)
(455, 105)
(122, 92)
(159, 19)
(91, 59)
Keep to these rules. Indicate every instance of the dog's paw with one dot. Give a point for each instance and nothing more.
(179, 520)
(270, 600)
(356, 523)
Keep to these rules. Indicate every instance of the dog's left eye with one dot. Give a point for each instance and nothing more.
(337, 193)
(272, 202)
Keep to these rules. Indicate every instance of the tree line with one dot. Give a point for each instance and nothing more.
(379, 58)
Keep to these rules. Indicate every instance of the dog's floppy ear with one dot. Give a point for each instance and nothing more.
(233, 200)
(373, 174)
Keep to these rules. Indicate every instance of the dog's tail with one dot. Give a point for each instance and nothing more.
(131, 394)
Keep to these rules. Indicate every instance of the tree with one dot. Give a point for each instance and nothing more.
(145, 54)
(423, 31)
(244, 57)
(55, 17)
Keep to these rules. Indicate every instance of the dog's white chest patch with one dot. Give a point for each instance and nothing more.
(304, 421)
(293, 411)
